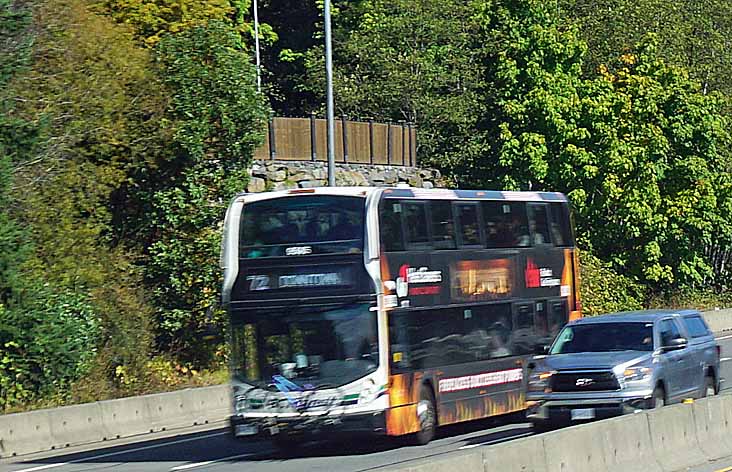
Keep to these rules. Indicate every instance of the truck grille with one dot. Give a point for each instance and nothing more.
(584, 382)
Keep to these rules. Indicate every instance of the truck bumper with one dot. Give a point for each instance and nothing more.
(570, 410)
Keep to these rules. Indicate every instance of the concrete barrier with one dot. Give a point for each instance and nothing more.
(520, 455)
(77, 424)
(627, 444)
(25, 433)
(208, 404)
(673, 436)
(125, 417)
(710, 421)
(168, 411)
(719, 320)
(43, 430)
(575, 448)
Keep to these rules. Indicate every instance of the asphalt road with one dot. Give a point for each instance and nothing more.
(215, 450)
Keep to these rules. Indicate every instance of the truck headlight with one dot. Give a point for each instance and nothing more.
(634, 374)
(539, 381)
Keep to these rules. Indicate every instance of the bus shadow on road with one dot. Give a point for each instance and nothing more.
(496, 430)
(330, 447)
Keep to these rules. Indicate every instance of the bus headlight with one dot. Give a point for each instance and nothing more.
(539, 381)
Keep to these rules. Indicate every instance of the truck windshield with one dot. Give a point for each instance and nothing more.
(301, 225)
(604, 337)
(309, 346)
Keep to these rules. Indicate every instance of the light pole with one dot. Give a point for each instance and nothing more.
(329, 97)
(256, 45)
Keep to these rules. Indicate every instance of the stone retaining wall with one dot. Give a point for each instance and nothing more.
(281, 175)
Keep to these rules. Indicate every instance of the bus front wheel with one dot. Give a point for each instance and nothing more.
(427, 416)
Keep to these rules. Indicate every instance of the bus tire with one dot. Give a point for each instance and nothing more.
(427, 416)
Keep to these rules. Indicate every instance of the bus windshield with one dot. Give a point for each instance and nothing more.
(309, 346)
(312, 224)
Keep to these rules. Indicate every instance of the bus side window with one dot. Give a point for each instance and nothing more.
(541, 320)
(557, 316)
(506, 224)
(523, 339)
(560, 226)
(539, 224)
(487, 331)
(415, 221)
(443, 224)
(391, 226)
(469, 227)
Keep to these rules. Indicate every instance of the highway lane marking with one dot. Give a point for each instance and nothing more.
(723, 338)
(725, 359)
(201, 464)
(726, 469)
(126, 451)
(494, 441)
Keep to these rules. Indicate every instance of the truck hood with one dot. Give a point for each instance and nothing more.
(591, 360)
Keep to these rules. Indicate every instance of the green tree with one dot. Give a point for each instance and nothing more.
(89, 108)
(217, 120)
(694, 34)
(15, 135)
(642, 152)
(406, 60)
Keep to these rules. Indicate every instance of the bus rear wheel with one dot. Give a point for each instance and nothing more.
(427, 416)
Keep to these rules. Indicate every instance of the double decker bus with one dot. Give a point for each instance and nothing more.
(390, 310)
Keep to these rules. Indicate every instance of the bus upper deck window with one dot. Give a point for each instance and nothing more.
(506, 224)
(415, 221)
(539, 224)
(391, 226)
(560, 226)
(468, 223)
(443, 225)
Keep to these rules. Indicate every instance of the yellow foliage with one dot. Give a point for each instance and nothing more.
(152, 18)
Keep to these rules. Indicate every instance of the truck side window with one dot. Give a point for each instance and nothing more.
(668, 331)
(695, 326)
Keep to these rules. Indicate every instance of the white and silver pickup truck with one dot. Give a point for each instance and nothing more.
(614, 364)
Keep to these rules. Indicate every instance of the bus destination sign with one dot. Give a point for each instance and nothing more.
(313, 278)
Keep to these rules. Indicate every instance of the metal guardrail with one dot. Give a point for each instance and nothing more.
(356, 142)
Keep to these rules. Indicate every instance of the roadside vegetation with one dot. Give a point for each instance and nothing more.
(127, 125)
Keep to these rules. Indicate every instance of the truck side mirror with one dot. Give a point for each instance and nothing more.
(541, 349)
(675, 344)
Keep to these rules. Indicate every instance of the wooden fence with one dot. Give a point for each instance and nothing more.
(356, 142)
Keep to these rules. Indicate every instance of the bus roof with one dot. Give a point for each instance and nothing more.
(412, 192)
